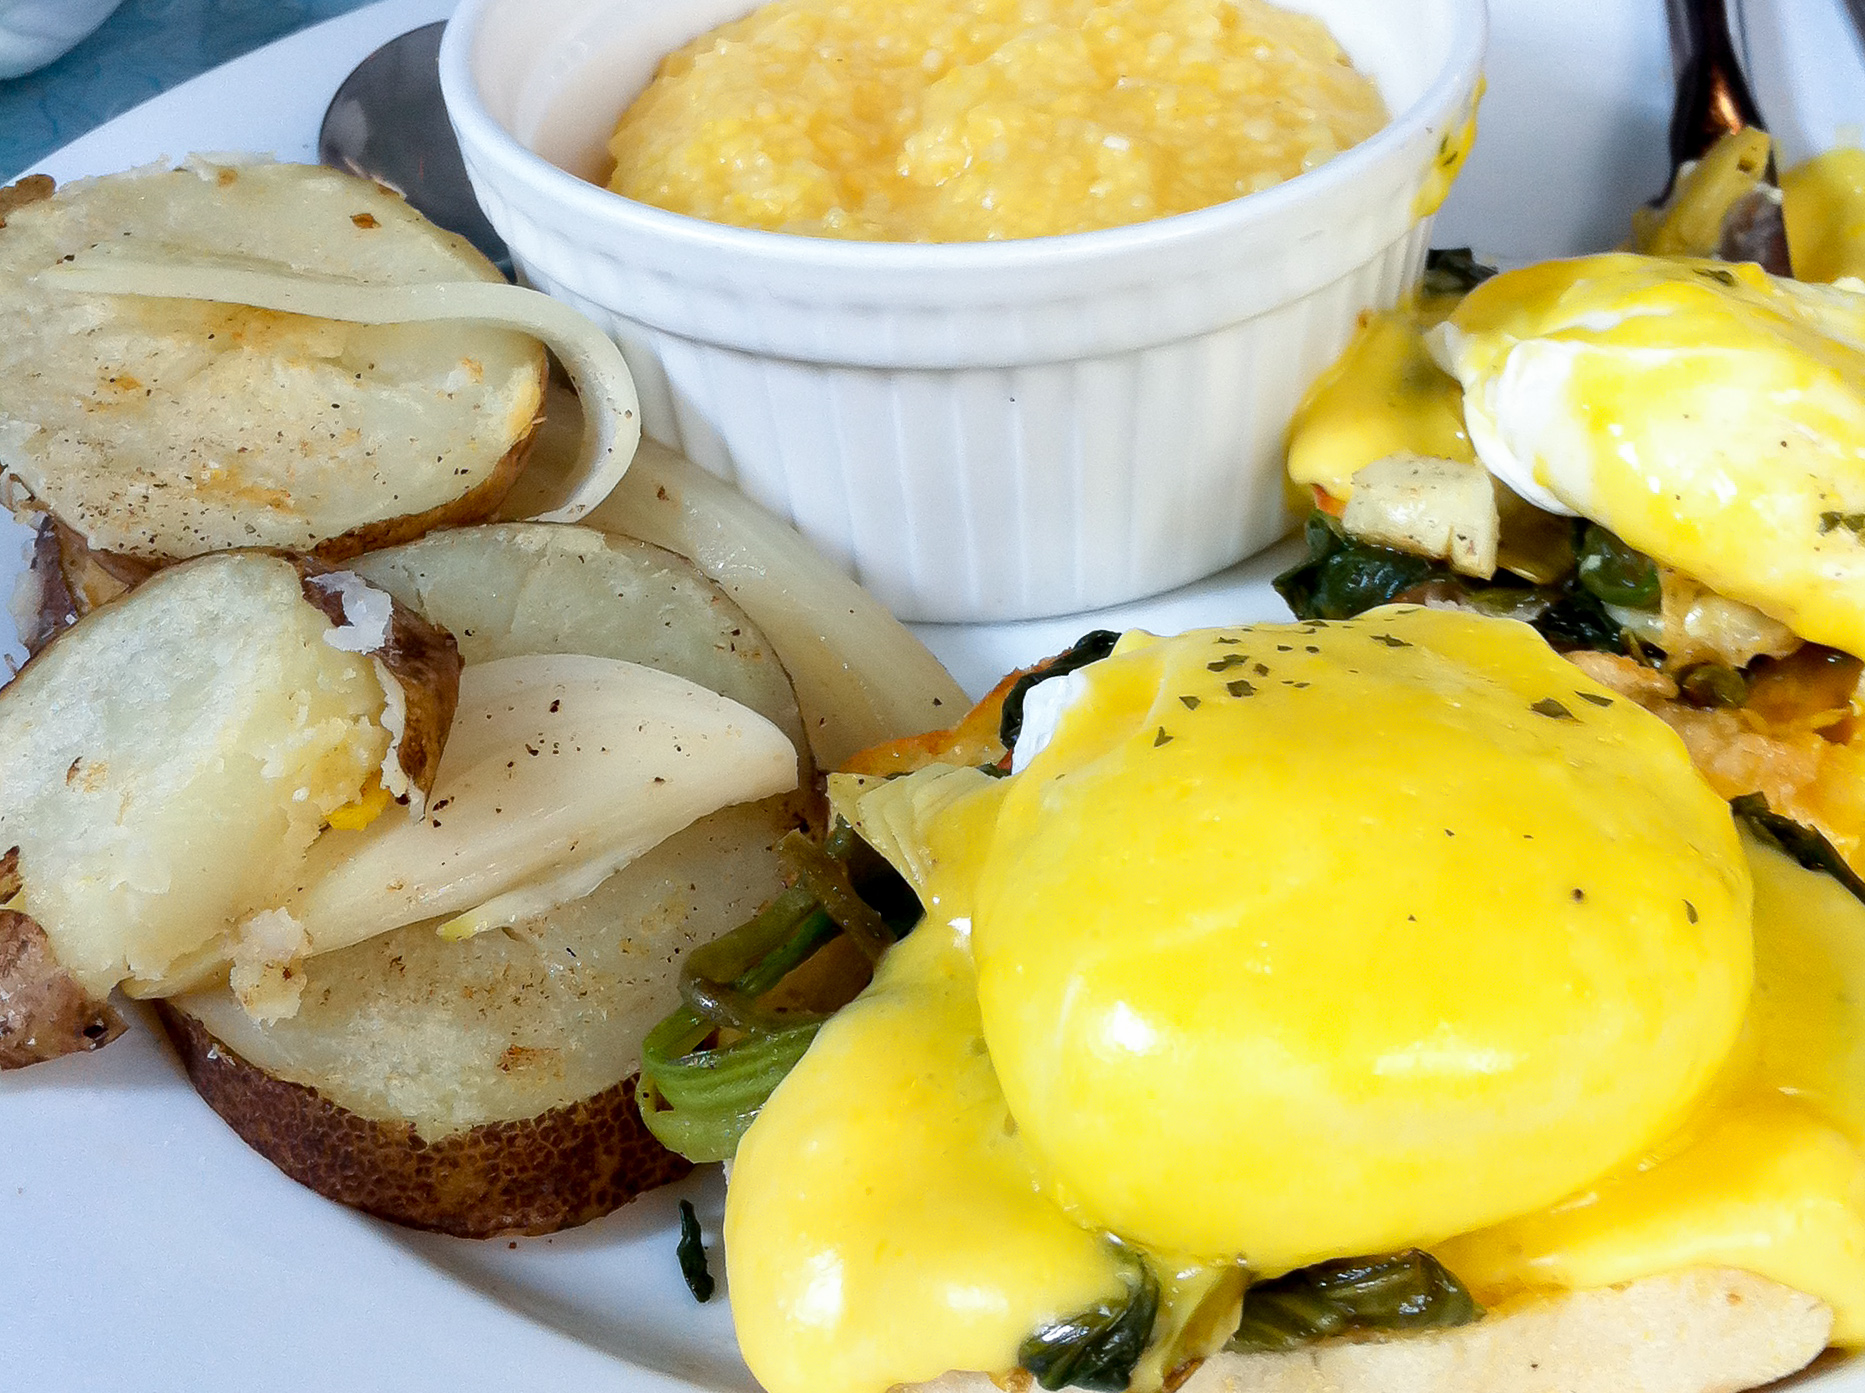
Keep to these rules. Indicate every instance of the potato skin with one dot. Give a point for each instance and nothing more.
(70, 579)
(34, 188)
(56, 604)
(43, 1011)
(419, 655)
(534, 1176)
(71, 573)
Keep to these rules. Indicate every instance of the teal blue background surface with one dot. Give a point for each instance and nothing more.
(145, 48)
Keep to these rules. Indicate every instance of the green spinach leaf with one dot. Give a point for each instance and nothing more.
(1096, 1348)
(1401, 1291)
(1802, 843)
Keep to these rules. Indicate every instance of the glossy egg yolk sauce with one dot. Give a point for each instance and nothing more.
(1299, 942)
(1710, 415)
(1823, 202)
(922, 120)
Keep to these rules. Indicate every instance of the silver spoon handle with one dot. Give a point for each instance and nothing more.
(1713, 97)
(1856, 9)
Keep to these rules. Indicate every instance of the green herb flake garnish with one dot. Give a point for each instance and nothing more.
(1240, 688)
(1162, 738)
(1227, 662)
(1190, 703)
(1553, 710)
(692, 1255)
(1391, 640)
(1690, 911)
(1852, 522)
(1595, 698)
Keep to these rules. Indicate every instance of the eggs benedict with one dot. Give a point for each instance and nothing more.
(1388, 979)
(1661, 465)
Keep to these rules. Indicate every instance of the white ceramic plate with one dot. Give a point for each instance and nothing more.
(152, 1250)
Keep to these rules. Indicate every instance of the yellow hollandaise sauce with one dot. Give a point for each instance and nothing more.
(1823, 202)
(884, 1223)
(919, 120)
(1707, 413)
(1453, 149)
(1385, 395)
(1376, 910)
(1768, 1175)
(1418, 933)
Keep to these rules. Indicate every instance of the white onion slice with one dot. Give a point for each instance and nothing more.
(861, 676)
(560, 770)
(611, 412)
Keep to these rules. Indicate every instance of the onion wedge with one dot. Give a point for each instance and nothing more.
(560, 770)
(611, 416)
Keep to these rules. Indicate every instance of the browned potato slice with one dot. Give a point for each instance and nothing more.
(560, 1168)
(518, 588)
(168, 761)
(486, 1086)
(158, 429)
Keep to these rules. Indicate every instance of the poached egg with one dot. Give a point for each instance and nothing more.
(1297, 942)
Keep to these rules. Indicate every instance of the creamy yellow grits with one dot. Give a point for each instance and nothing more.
(967, 120)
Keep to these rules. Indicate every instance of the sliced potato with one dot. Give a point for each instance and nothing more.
(536, 1175)
(512, 1024)
(486, 1085)
(562, 768)
(1442, 508)
(861, 675)
(162, 428)
(166, 763)
(518, 588)
(43, 1011)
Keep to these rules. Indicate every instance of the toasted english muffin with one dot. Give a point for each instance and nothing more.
(1706, 1330)
(486, 1085)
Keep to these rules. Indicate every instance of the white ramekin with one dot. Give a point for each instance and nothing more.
(981, 430)
(34, 32)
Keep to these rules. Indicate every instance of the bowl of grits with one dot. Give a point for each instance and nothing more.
(1004, 303)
